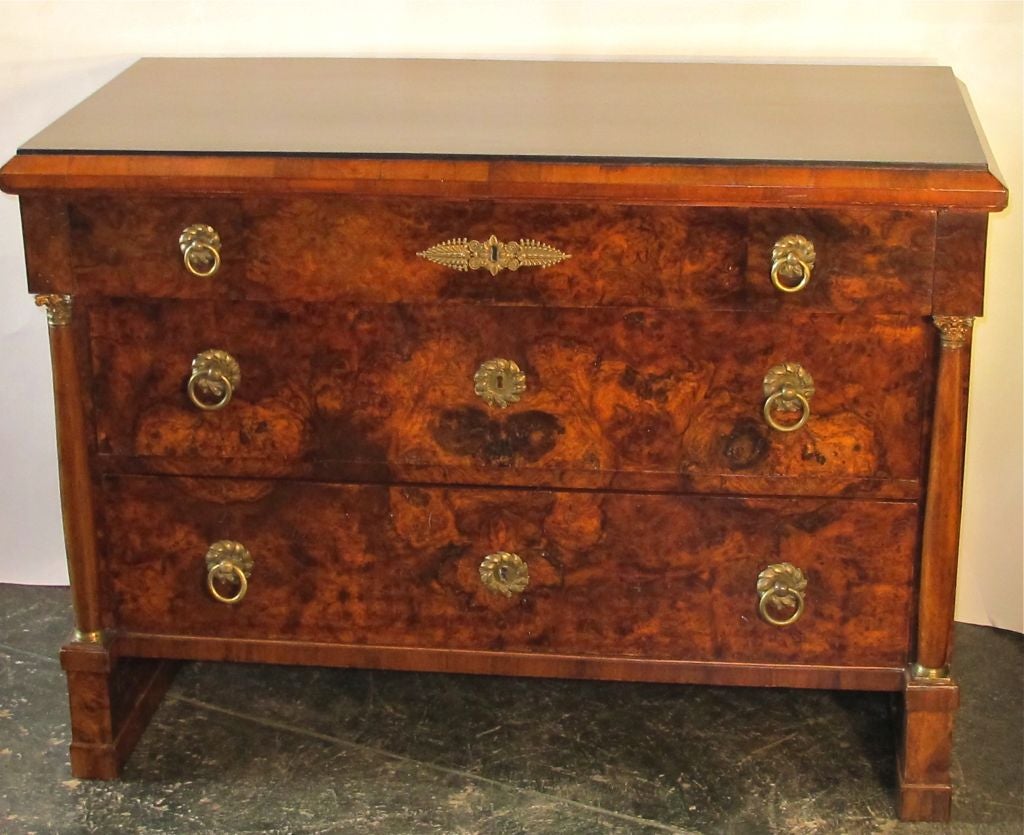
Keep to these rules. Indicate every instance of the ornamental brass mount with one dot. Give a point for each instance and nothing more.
(781, 587)
(954, 331)
(499, 382)
(788, 387)
(58, 308)
(200, 249)
(492, 255)
(792, 263)
(504, 573)
(215, 377)
(228, 562)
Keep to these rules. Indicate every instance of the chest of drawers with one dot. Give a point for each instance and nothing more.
(636, 372)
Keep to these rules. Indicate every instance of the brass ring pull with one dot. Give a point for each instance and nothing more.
(229, 562)
(786, 394)
(788, 387)
(200, 249)
(504, 573)
(781, 587)
(792, 259)
(214, 379)
(233, 570)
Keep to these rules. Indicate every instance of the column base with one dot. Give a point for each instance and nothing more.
(926, 748)
(112, 700)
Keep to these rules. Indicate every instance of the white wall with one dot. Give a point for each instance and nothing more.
(52, 54)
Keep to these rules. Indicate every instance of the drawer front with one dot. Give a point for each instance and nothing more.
(672, 395)
(364, 250)
(607, 574)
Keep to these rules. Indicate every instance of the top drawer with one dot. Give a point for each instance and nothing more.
(365, 250)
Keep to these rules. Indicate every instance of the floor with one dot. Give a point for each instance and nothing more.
(240, 748)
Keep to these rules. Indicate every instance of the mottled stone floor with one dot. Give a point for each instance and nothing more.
(239, 748)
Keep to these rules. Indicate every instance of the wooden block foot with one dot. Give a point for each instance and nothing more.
(925, 791)
(112, 700)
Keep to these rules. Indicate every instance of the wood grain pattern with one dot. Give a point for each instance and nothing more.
(505, 663)
(75, 443)
(364, 251)
(654, 576)
(47, 237)
(925, 754)
(700, 185)
(960, 241)
(941, 538)
(608, 391)
(111, 700)
(644, 356)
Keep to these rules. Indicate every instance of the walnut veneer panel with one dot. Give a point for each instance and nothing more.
(610, 574)
(363, 250)
(609, 390)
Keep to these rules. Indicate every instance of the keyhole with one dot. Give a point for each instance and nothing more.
(499, 382)
(494, 253)
(503, 573)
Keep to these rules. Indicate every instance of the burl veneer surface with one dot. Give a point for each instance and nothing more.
(653, 393)
(612, 574)
(363, 250)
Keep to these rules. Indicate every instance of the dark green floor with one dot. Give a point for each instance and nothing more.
(238, 748)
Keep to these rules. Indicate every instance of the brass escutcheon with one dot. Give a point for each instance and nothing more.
(200, 249)
(788, 387)
(781, 587)
(492, 255)
(504, 573)
(499, 382)
(792, 261)
(228, 562)
(215, 377)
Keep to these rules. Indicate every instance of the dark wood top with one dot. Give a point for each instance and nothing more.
(664, 112)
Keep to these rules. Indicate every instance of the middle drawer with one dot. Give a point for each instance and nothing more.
(633, 398)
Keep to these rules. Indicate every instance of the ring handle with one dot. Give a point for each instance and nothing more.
(785, 395)
(210, 377)
(788, 387)
(200, 249)
(228, 560)
(792, 258)
(781, 586)
(219, 570)
(215, 374)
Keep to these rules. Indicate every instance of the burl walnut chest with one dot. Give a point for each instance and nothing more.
(623, 371)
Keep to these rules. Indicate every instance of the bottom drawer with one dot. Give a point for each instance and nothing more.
(652, 576)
